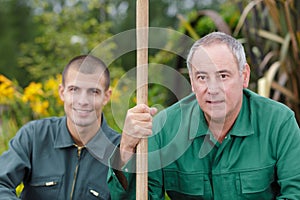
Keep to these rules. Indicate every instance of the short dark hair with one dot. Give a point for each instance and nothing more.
(87, 64)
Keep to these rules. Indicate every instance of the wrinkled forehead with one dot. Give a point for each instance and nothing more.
(213, 56)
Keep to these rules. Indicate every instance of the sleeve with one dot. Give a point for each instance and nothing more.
(288, 162)
(155, 167)
(15, 164)
(117, 191)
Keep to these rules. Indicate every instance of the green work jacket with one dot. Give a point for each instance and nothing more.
(44, 157)
(258, 159)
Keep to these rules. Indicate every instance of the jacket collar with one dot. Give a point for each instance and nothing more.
(63, 138)
(99, 146)
(103, 143)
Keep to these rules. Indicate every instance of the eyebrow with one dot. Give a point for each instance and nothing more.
(200, 72)
(93, 88)
(98, 89)
(70, 86)
(217, 72)
(224, 71)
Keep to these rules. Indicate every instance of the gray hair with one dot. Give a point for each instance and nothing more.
(235, 46)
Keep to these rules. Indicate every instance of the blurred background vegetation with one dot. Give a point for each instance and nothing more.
(38, 38)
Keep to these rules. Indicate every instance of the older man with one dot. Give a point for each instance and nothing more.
(222, 142)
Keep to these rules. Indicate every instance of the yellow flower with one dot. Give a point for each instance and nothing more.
(51, 87)
(7, 90)
(52, 84)
(3, 79)
(32, 92)
(40, 107)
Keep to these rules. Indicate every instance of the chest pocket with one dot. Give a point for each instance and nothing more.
(258, 184)
(186, 183)
(42, 188)
(96, 192)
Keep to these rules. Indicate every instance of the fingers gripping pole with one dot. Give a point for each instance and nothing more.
(142, 94)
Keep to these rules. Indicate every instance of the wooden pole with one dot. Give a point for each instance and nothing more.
(142, 18)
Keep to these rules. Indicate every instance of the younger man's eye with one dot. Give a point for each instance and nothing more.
(95, 91)
(73, 89)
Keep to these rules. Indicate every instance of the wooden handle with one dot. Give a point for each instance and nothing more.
(142, 94)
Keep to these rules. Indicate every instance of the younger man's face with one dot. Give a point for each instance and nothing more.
(84, 97)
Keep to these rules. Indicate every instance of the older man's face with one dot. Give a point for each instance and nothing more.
(217, 82)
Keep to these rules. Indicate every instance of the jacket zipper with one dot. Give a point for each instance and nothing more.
(76, 170)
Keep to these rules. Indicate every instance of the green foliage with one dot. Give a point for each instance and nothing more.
(52, 32)
(35, 101)
(8, 129)
(271, 32)
(15, 29)
(73, 30)
(205, 24)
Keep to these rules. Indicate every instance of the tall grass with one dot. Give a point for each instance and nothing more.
(270, 33)
(272, 38)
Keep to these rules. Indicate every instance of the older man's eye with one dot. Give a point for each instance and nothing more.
(223, 76)
(201, 77)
